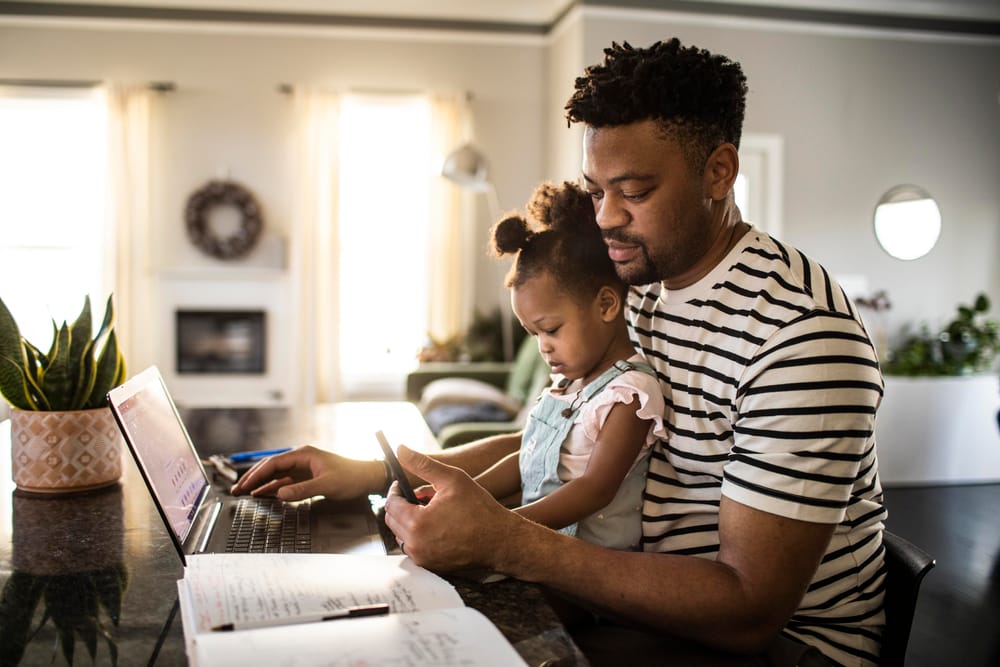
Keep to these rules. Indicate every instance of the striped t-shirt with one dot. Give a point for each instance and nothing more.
(771, 386)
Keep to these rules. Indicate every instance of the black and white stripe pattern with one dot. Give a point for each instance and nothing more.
(771, 386)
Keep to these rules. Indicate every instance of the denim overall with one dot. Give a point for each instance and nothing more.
(618, 525)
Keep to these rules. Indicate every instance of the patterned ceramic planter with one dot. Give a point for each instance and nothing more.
(63, 452)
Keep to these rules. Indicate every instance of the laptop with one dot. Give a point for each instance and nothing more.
(201, 518)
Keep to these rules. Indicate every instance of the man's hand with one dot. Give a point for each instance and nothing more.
(307, 471)
(461, 527)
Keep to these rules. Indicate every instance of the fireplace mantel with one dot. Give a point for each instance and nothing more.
(230, 288)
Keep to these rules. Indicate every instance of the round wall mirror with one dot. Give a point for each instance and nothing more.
(907, 222)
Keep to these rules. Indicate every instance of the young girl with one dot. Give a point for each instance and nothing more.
(585, 450)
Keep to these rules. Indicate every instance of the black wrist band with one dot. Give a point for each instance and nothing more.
(388, 477)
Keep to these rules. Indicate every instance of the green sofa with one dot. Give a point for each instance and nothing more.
(512, 387)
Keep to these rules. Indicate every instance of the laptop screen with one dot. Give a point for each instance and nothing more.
(153, 429)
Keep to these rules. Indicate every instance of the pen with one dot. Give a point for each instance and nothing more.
(240, 457)
(350, 612)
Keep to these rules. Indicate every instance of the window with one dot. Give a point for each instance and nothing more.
(53, 193)
(758, 186)
(384, 203)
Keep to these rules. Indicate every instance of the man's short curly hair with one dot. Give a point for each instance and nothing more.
(698, 97)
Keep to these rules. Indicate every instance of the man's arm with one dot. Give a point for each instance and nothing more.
(308, 471)
(738, 602)
(475, 457)
(503, 479)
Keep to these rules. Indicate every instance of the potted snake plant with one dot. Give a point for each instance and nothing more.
(63, 436)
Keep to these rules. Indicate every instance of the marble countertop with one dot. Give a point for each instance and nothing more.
(93, 575)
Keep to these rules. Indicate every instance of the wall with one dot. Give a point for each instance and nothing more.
(859, 112)
(565, 61)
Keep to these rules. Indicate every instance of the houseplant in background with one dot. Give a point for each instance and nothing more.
(63, 436)
(968, 344)
(938, 419)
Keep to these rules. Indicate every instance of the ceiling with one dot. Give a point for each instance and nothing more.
(537, 14)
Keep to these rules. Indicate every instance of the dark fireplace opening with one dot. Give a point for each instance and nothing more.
(221, 341)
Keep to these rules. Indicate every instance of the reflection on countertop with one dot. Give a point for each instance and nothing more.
(69, 565)
(87, 578)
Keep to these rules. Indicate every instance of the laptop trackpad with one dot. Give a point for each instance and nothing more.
(345, 527)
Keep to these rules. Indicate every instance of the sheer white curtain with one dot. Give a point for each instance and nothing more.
(72, 182)
(314, 243)
(316, 239)
(451, 242)
(53, 175)
(129, 109)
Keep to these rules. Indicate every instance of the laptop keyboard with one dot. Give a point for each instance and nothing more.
(267, 525)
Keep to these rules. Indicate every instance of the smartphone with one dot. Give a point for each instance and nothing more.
(397, 470)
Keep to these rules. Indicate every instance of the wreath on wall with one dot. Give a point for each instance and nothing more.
(221, 194)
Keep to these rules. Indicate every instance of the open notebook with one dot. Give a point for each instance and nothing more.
(202, 519)
(288, 609)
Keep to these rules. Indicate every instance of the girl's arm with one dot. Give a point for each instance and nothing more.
(618, 444)
(502, 479)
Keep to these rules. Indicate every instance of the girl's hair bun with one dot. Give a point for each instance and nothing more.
(565, 207)
(558, 234)
(510, 235)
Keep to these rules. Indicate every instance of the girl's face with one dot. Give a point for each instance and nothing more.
(573, 337)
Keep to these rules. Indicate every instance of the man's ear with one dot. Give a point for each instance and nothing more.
(721, 170)
(610, 303)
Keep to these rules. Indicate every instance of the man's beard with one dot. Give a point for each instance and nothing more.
(640, 270)
(666, 262)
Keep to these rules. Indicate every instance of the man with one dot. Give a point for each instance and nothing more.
(763, 510)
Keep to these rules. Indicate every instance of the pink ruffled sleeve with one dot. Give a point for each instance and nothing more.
(623, 389)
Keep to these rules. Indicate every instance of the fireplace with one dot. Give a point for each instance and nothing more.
(221, 341)
(227, 339)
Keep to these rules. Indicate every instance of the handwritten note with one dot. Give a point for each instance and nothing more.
(235, 588)
(459, 637)
(428, 623)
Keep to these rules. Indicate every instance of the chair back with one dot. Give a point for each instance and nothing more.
(906, 565)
